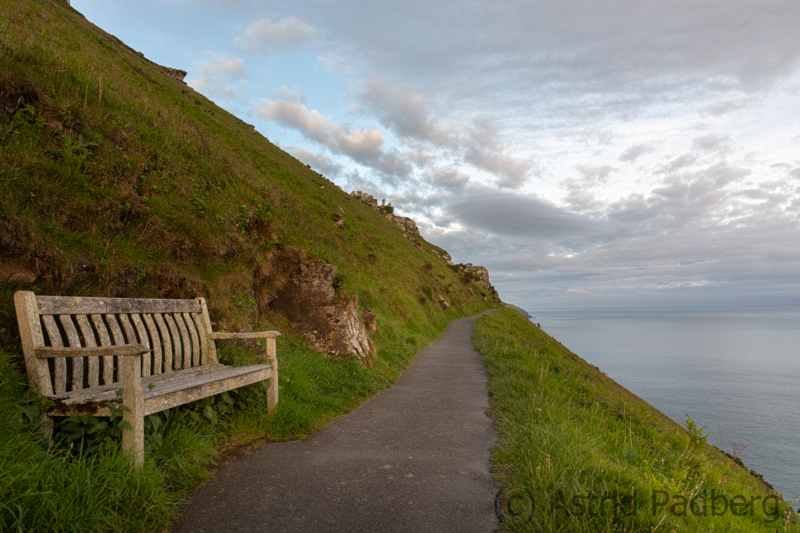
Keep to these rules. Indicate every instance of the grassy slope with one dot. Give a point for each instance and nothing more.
(567, 431)
(117, 179)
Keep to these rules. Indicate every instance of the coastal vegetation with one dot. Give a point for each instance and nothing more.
(118, 179)
(579, 453)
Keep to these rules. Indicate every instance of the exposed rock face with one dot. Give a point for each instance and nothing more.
(405, 223)
(308, 300)
(370, 323)
(481, 276)
(445, 256)
(15, 270)
(442, 302)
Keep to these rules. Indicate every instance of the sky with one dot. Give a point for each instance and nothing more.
(589, 153)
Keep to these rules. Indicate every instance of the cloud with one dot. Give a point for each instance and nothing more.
(484, 150)
(399, 108)
(711, 143)
(449, 179)
(226, 66)
(520, 216)
(578, 292)
(264, 36)
(632, 153)
(319, 162)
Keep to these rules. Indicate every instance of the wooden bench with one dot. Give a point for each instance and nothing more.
(150, 354)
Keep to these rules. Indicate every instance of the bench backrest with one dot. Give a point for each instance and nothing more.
(177, 332)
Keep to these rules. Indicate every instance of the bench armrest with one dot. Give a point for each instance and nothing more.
(245, 335)
(120, 350)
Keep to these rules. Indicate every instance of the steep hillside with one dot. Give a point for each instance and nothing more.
(118, 179)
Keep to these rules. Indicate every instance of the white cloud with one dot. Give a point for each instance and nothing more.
(264, 36)
(226, 66)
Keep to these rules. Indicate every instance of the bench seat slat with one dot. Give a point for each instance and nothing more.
(77, 305)
(167, 390)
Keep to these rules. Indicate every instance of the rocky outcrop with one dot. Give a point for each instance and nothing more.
(444, 305)
(479, 276)
(309, 301)
(445, 256)
(404, 223)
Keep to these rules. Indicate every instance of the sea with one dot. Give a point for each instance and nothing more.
(735, 371)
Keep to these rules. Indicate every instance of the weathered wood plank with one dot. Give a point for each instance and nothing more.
(176, 342)
(99, 351)
(212, 347)
(30, 331)
(204, 340)
(151, 328)
(218, 335)
(93, 369)
(195, 340)
(187, 346)
(77, 305)
(185, 392)
(74, 342)
(142, 332)
(162, 328)
(272, 392)
(133, 399)
(118, 339)
(105, 340)
(162, 382)
(59, 364)
(127, 327)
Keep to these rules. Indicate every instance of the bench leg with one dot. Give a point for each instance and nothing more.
(133, 399)
(47, 427)
(272, 391)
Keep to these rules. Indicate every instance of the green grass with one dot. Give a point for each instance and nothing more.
(50, 486)
(568, 433)
(119, 180)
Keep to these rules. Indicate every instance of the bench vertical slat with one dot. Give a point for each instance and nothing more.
(93, 362)
(162, 328)
(60, 362)
(212, 347)
(142, 332)
(151, 328)
(187, 346)
(272, 392)
(176, 341)
(195, 341)
(75, 341)
(116, 333)
(105, 340)
(201, 332)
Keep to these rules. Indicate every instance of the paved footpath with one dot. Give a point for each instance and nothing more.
(414, 458)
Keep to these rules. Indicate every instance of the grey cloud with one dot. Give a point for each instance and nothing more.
(520, 216)
(712, 142)
(450, 179)
(632, 153)
(678, 163)
(485, 151)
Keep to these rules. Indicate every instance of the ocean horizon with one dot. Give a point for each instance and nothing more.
(734, 370)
